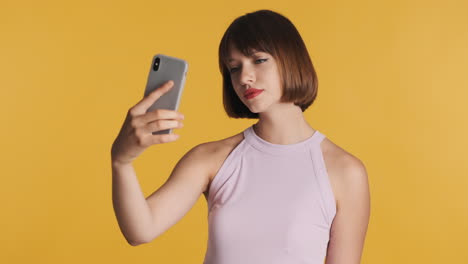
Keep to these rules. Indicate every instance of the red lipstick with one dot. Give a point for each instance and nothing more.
(252, 92)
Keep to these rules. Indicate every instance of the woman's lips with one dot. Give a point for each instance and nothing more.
(251, 93)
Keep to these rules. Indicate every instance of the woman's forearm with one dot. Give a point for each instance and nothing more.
(130, 206)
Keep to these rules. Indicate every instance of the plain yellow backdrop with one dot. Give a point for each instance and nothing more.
(392, 91)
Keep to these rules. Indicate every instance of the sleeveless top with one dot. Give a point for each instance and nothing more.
(270, 204)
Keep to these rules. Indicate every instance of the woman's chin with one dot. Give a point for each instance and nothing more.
(257, 108)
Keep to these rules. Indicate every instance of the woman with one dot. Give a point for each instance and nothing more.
(279, 191)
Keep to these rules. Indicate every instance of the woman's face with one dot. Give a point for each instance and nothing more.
(260, 72)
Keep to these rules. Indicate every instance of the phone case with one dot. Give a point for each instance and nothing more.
(169, 68)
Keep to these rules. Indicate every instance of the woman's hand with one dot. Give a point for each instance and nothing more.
(136, 132)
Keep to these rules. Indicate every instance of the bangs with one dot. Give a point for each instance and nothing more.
(246, 35)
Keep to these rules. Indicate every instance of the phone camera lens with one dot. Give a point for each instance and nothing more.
(156, 64)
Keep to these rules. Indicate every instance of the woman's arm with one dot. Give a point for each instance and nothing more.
(130, 207)
(349, 227)
(142, 220)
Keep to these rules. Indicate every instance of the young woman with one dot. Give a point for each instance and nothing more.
(277, 192)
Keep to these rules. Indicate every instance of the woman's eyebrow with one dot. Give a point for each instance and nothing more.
(254, 54)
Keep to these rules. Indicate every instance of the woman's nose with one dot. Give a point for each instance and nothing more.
(247, 75)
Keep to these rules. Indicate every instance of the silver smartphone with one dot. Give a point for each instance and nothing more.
(164, 68)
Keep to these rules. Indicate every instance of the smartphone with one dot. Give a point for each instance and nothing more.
(164, 68)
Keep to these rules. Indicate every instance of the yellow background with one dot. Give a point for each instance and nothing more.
(392, 91)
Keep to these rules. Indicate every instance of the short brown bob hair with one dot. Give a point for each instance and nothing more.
(268, 31)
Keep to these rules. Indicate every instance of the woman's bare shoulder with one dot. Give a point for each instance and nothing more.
(213, 147)
(217, 151)
(338, 163)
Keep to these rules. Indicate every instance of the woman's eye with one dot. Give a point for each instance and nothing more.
(232, 70)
